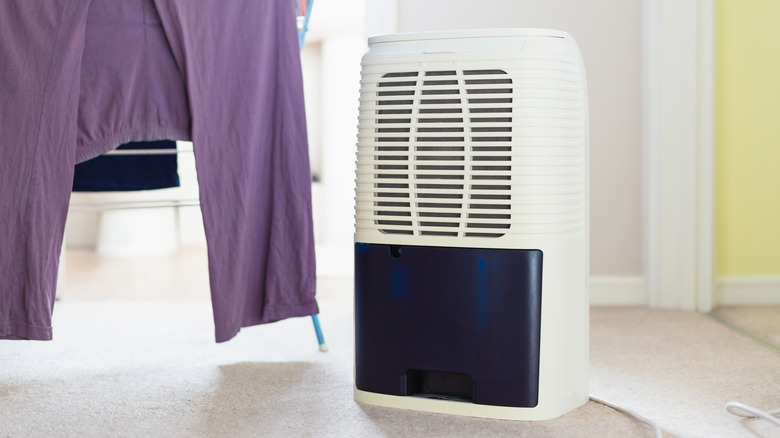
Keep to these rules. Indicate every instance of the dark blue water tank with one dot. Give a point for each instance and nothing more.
(450, 323)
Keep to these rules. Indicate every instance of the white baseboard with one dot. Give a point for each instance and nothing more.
(618, 291)
(747, 290)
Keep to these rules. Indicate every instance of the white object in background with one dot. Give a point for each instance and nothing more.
(128, 233)
(340, 75)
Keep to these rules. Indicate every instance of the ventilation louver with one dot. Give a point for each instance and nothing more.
(473, 152)
(431, 179)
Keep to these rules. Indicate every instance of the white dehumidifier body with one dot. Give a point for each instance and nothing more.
(471, 239)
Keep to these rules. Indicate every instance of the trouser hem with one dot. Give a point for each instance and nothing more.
(25, 331)
(270, 315)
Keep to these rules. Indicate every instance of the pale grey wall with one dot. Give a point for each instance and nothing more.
(609, 35)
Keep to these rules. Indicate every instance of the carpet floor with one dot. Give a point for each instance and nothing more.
(129, 360)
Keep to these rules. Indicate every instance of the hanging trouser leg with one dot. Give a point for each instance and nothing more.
(40, 57)
(241, 64)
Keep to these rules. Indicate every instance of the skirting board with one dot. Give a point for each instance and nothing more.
(618, 291)
(747, 290)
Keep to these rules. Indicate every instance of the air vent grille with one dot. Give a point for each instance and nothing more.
(442, 171)
(472, 153)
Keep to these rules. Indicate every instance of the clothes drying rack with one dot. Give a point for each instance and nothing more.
(303, 7)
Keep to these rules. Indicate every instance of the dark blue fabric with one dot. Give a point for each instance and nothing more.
(108, 173)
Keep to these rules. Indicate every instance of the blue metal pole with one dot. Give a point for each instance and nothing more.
(318, 330)
(301, 34)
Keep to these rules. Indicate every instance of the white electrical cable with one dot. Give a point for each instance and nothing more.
(744, 410)
(733, 407)
(636, 415)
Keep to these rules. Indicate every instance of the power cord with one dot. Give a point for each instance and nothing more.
(636, 415)
(733, 407)
(744, 410)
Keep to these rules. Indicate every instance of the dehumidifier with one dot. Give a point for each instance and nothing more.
(471, 239)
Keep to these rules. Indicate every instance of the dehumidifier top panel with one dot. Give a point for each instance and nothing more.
(468, 33)
(471, 145)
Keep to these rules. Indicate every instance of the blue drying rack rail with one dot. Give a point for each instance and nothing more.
(301, 35)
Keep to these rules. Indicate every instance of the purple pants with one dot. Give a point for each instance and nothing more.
(80, 77)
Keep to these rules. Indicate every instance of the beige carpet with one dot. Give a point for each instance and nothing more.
(149, 367)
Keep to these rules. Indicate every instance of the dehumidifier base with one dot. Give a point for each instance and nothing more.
(463, 408)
